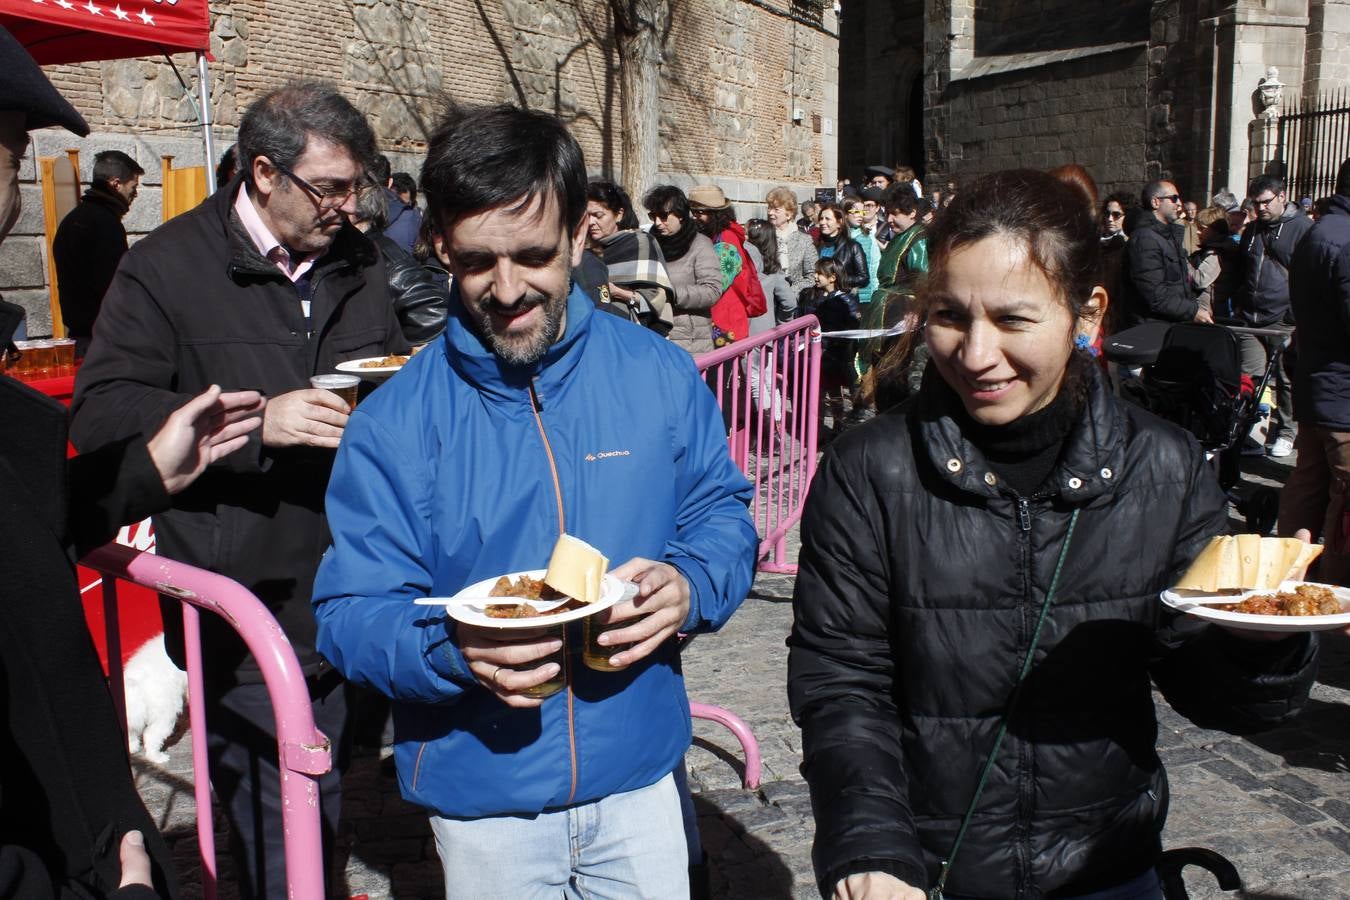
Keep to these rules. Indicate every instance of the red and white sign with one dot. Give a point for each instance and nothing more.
(67, 31)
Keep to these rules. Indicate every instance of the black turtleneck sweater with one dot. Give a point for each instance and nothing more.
(1024, 451)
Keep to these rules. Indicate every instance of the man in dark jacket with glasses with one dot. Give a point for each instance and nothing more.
(262, 286)
(1157, 288)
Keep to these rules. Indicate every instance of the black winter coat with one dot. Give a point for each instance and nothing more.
(195, 304)
(66, 791)
(88, 245)
(1156, 285)
(1319, 288)
(920, 579)
(1267, 252)
(852, 258)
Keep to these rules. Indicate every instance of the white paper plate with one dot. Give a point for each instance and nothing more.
(353, 367)
(469, 605)
(1185, 601)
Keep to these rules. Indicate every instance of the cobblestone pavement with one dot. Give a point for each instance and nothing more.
(1277, 804)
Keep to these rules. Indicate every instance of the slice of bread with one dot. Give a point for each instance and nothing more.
(576, 569)
(1248, 562)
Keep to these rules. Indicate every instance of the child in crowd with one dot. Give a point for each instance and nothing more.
(837, 310)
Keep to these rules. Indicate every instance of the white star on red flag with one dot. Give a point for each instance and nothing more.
(65, 4)
(93, 10)
(121, 15)
(40, 1)
(142, 15)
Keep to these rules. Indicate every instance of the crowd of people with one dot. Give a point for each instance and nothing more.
(975, 617)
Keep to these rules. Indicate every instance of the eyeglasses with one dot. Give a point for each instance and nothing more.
(329, 198)
(1175, 198)
(1258, 202)
(855, 212)
(1114, 214)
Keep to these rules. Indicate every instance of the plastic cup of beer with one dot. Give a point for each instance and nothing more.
(64, 364)
(559, 656)
(596, 655)
(43, 360)
(342, 385)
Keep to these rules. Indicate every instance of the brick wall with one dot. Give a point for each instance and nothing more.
(735, 72)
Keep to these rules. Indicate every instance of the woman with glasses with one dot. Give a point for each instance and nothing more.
(856, 212)
(1113, 240)
(691, 265)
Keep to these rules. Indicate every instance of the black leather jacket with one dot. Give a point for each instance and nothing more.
(853, 259)
(921, 577)
(420, 293)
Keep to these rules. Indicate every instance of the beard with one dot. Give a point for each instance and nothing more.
(524, 348)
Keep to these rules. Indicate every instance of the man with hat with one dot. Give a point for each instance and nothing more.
(879, 177)
(71, 821)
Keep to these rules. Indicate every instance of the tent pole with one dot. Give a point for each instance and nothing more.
(208, 141)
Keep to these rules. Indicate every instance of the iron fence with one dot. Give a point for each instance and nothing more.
(1305, 144)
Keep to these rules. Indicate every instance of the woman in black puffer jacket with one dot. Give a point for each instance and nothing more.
(930, 541)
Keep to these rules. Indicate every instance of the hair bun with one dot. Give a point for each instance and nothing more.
(1075, 176)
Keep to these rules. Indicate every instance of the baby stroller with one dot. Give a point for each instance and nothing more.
(1193, 376)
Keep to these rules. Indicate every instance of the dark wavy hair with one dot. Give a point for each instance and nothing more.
(615, 199)
(760, 233)
(1053, 217)
(483, 157)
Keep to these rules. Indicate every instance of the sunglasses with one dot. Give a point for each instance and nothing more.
(1114, 214)
(1175, 198)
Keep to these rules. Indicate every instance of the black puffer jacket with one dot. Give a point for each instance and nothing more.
(920, 580)
(851, 258)
(1156, 285)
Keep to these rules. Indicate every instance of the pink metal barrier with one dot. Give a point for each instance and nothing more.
(768, 387)
(303, 750)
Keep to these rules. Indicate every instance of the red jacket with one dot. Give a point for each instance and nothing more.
(743, 300)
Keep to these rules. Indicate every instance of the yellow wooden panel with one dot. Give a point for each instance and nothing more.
(60, 194)
(183, 188)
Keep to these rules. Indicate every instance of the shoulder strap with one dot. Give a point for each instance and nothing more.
(936, 892)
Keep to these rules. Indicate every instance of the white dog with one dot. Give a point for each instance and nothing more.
(155, 692)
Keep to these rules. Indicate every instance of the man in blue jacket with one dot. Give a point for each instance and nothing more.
(1317, 494)
(530, 417)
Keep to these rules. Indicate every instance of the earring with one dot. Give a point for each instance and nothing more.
(1083, 342)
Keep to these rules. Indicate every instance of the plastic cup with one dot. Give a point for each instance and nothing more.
(559, 681)
(595, 655)
(64, 357)
(342, 385)
(43, 363)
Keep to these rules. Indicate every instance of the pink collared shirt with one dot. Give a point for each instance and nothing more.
(267, 244)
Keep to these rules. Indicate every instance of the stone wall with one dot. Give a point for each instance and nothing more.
(1089, 111)
(881, 56)
(736, 71)
(1328, 59)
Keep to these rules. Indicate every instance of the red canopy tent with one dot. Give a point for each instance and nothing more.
(65, 31)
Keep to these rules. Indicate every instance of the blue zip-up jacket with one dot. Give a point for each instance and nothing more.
(461, 468)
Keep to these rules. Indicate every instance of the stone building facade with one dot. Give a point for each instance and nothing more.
(748, 92)
(1132, 90)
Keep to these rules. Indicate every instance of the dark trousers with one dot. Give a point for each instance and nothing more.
(242, 748)
(1256, 352)
(1317, 497)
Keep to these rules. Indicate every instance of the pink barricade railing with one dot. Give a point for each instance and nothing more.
(769, 390)
(303, 750)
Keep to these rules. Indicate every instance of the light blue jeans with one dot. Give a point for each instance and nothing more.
(622, 847)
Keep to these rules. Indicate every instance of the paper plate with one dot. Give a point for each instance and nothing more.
(1195, 603)
(469, 605)
(354, 367)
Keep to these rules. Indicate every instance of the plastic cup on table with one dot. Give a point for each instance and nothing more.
(64, 358)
